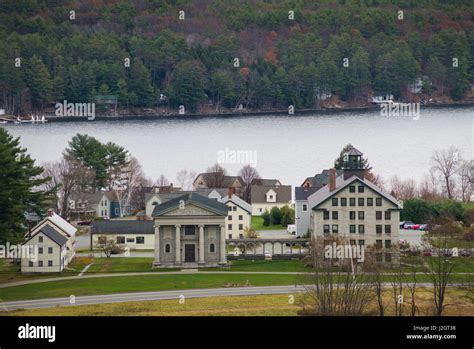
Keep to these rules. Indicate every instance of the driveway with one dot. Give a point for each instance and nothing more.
(413, 237)
(275, 234)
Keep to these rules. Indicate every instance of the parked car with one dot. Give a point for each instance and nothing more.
(86, 222)
(268, 255)
(465, 253)
(427, 253)
(423, 227)
(406, 224)
(291, 229)
(415, 226)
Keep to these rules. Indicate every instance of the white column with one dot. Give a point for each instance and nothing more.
(222, 247)
(201, 244)
(178, 244)
(157, 245)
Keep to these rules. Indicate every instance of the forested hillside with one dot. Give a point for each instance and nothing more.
(221, 53)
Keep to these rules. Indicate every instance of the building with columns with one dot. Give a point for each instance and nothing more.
(190, 232)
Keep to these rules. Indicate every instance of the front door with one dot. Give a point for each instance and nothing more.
(189, 254)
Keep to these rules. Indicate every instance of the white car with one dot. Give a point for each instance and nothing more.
(291, 229)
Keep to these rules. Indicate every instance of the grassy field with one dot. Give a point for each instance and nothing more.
(264, 305)
(257, 224)
(141, 283)
(263, 265)
(123, 264)
(454, 242)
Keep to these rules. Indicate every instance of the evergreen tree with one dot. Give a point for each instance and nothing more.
(20, 189)
(188, 85)
(39, 81)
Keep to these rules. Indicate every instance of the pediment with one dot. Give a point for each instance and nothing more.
(189, 210)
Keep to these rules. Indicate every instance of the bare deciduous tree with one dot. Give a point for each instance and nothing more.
(445, 163)
(185, 179)
(402, 189)
(162, 181)
(215, 176)
(248, 174)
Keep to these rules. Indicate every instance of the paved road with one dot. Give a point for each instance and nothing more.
(413, 237)
(149, 296)
(162, 295)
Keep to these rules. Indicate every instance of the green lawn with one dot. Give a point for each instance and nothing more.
(257, 224)
(121, 264)
(158, 282)
(453, 242)
(263, 265)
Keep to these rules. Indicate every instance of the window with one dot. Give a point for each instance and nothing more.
(334, 215)
(241, 236)
(50, 263)
(234, 208)
(388, 229)
(189, 230)
(388, 215)
(102, 240)
(229, 226)
(241, 227)
(360, 189)
(241, 218)
(378, 229)
(116, 211)
(229, 236)
(40, 239)
(50, 250)
(352, 242)
(378, 202)
(361, 242)
(388, 243)
(352, 214)
(361, 229)
(305, 207)
(361, 202)
(352, 228)
(326, 214)
(378, 243)
(388, 257)
(334, 201)
(154, 203)
(326, 228)
(120, 239)
(167, 248)
(352, 202)
(352, 189)
(361, 215)
(378, 214)
(229, 217)
(30, 263)
(212, 248)
(40, 263)
(40, 250)
(378, 257)
(130, 240)
(140, 239)
(230, 208)
(335, 228)
(370, 202)
(343, 201)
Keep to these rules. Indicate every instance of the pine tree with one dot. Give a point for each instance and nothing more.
(20, 189)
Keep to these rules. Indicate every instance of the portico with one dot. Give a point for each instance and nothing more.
(190, 232)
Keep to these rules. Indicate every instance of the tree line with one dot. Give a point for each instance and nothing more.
(252, 55)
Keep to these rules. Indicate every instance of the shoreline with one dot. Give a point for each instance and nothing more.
(171, 116)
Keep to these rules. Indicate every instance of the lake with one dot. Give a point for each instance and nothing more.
(289, 147)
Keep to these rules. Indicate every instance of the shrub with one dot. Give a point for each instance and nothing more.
(276, 215)
(266, 218)
(469, 234)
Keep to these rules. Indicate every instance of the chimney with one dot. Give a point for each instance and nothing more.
(51, 212)
(332, 179)
(230, 192)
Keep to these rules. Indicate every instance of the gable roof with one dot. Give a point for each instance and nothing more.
(51, 233)
(191, 198)
(303, 193)
(227, 181)
(122, 227)
(323, 194)
(59, 222)
(93, 200)
(263, 181)
(258, 193)
(238, 201)
(321, 179)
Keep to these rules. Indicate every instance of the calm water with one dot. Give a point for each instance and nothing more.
(290, 148)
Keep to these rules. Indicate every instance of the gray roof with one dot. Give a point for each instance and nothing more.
(51, 233)
(123, 227)
(237, 201)
(354, 151)
(91, 200)
(225, 182)
(263, 181)
(165, 196)
(303, 193)
(258, 192)
(321, 179)
(323, 194)
(191, 198)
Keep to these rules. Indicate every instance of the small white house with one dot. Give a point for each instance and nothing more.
(239, 216)
(52, 242)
